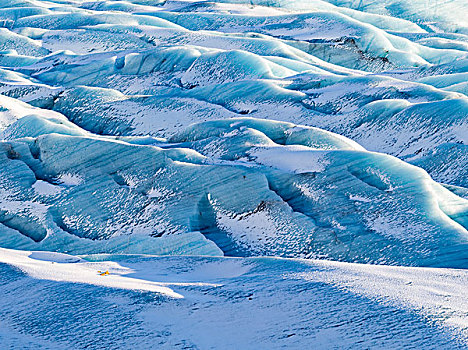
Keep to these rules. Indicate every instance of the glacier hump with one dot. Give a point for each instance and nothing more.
(252, 186)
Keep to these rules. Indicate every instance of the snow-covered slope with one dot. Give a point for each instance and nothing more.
(226, 303)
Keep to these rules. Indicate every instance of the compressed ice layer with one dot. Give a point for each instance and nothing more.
(167, 87)
(251, 186)
(138, 144)
(176, 62)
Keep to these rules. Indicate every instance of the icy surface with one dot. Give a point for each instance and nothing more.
(247, 186)
(333, 130)
(389, 74)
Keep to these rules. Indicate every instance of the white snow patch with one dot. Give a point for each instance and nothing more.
(439, 294)
(69, 179)
(47, 189)
(44, 266)
(292, 158)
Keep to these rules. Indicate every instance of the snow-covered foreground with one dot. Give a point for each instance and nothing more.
(226, 303)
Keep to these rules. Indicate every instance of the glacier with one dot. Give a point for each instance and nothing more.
(289, 173)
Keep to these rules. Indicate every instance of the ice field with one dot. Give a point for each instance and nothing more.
(251, 174)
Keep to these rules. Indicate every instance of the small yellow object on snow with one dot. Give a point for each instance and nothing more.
(105, 273)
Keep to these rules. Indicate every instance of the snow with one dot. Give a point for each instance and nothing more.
(297, 159)
(435, 293)
(172, 170)
(67, 269)
(269, 301)
(68, 179)
(45, 188)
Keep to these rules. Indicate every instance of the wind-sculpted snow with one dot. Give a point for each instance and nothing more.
(225, 303)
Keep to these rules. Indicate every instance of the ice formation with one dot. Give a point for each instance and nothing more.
(335, 131)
